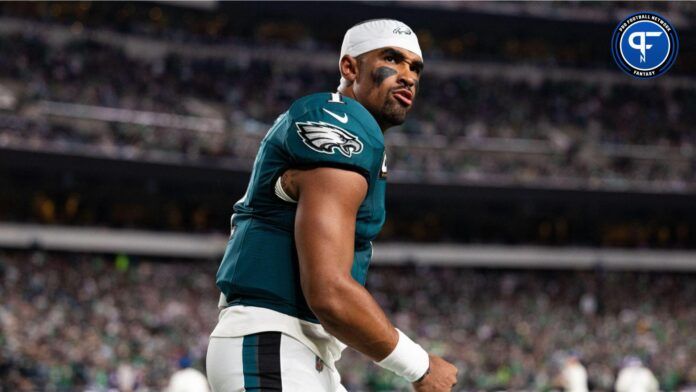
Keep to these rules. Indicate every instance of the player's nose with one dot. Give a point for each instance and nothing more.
(407, 78)
(408, 82)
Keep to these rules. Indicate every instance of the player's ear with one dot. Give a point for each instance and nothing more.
(349, 68)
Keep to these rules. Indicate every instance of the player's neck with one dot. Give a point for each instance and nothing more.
(347, 91)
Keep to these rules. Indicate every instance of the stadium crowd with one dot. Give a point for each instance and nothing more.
(473, 129)
(80, 322)
(527, 43)
(90, 322)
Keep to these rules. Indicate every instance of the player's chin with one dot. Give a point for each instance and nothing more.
(395, 113)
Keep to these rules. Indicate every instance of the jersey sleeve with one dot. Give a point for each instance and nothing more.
(330, 136)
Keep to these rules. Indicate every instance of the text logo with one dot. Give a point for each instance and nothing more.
(645, 45)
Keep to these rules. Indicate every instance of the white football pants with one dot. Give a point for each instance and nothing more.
(267, 361)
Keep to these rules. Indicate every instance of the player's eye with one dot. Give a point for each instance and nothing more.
(390, 59)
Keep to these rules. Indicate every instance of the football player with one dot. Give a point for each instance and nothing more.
(293, 274)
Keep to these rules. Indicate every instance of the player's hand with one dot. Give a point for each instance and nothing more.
(442, 376)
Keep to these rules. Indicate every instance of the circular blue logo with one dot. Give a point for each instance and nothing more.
(645, 45)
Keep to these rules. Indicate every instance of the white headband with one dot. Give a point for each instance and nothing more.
(379, 33)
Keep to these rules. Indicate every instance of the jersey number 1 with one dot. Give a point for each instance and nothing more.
(335, 98)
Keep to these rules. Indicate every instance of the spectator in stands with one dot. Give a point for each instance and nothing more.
(635, 377)
(187, 379)
(573, 376)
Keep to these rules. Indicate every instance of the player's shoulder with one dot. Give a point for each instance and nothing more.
(338, 111)
(329, 100)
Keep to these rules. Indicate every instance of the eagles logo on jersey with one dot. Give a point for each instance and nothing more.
(326, 138)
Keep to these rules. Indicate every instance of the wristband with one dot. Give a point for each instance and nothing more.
(408, 359)
(423, 376)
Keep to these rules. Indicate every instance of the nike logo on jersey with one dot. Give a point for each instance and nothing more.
(342, 119)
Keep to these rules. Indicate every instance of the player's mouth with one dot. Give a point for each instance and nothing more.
(404, 96)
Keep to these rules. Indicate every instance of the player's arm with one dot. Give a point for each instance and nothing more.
(328, 202)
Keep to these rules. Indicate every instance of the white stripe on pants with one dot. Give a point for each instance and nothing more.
(298, 367)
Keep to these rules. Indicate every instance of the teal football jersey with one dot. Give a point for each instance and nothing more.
(260, 265)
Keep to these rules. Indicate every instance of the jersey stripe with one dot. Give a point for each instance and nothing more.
(261, 362)
(250, 363)
(269, 361)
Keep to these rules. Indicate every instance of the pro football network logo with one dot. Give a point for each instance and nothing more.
(327, 138)
(645, 45)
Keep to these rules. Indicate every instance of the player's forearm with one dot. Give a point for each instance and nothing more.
(350, 313)
(344, 307)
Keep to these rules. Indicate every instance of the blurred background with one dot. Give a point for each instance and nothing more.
(541, 210)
